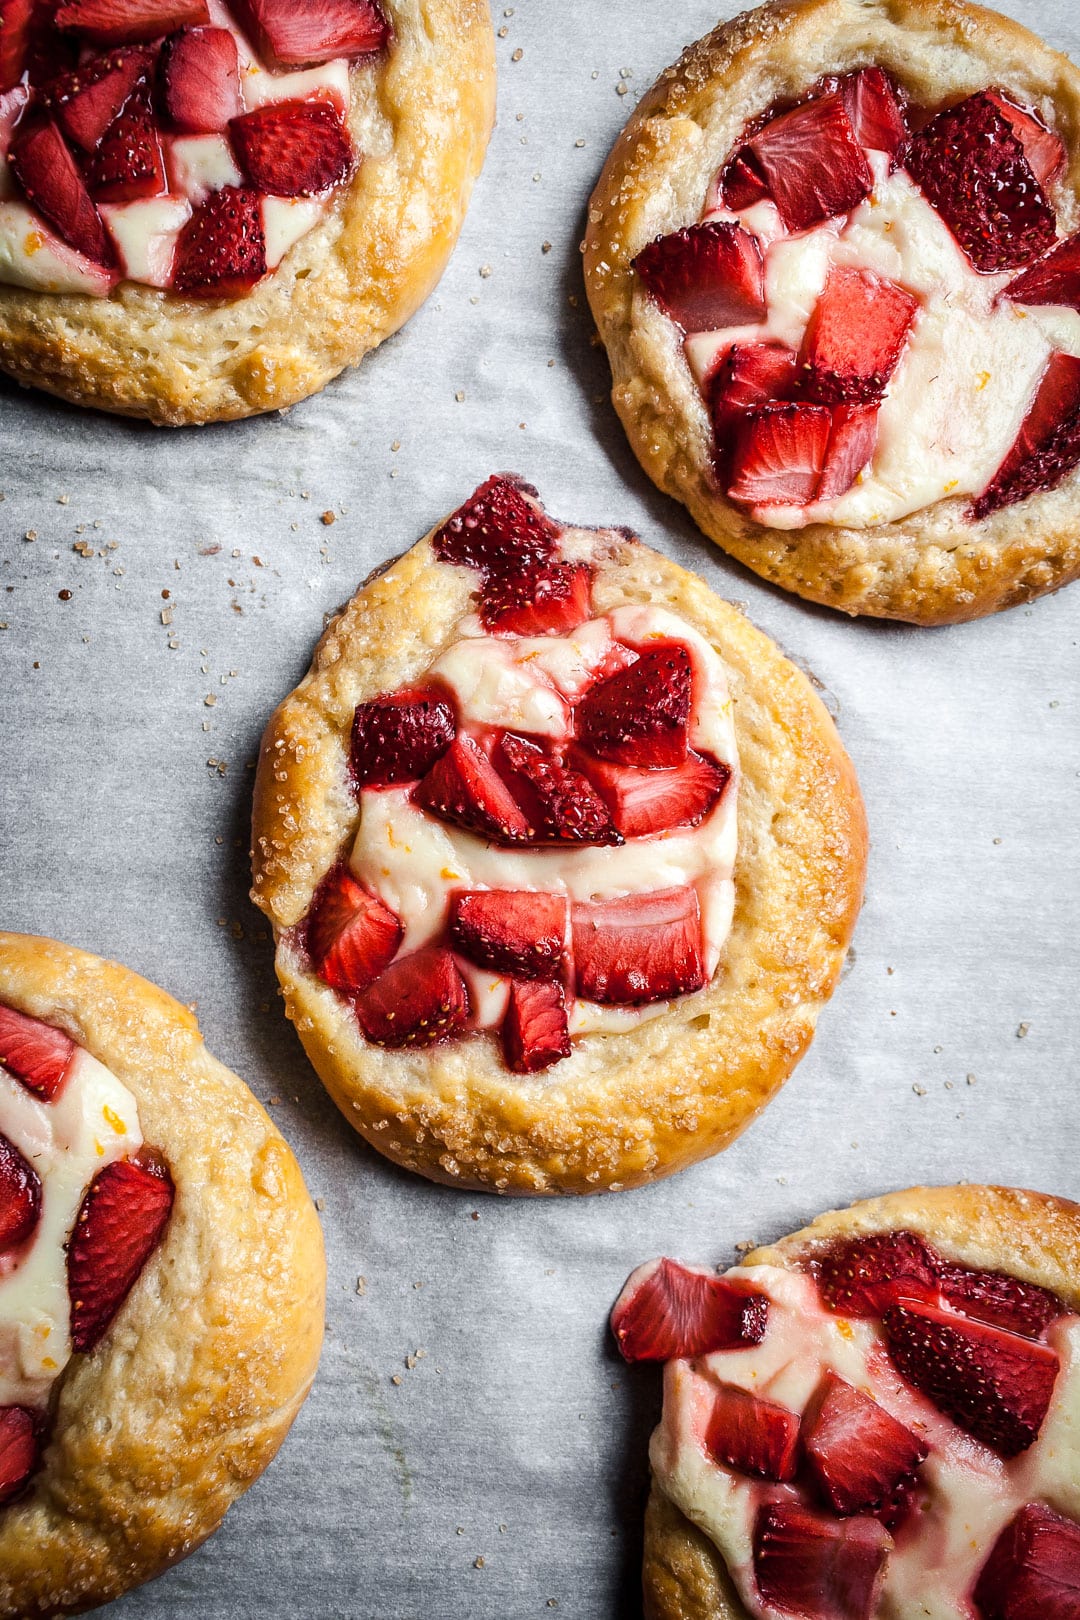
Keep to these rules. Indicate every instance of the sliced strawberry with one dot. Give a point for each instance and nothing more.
(91, 98)
(18, 1450)
(549, 599)
(1047, 448)
(561, 805)
(497, 530)
(852, 441)
(643, 802)
(20, 1197)
(751, 1435)
(1019, 1307)
(16, 19)
(818, 1568)
(644, 947)
(1033, 1572)
(706, 276)
(129, 22)
(970, 165)
(667, 1310)
(419, 1000)
(534, 1031)
(742, 183)
(119, 1226)
(351, 935)
(129, 164)
(464, 787)
(875, 108)
(35, 1053)
(865, 1275)
(49, 54)
(513, 931)
(640, 715)
(50, 179)
(1044, 150)
(200, 80)
(995, 1385)
(859, 1454)
(221, 252)
(289, 35)
(293, 148)
(812, 162)
(398, 738)
(1054, 279)
(778, 455)
(752, 374)
(855, 337)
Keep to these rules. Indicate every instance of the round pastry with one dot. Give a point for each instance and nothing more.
(562, 857)
(208, 208)
(874, 1419)
(832, 259)
(161, 1282)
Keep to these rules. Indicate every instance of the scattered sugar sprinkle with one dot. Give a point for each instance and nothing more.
(1021, 1031)
(920, 1091)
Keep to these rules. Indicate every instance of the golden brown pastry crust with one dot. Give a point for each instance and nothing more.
(195, 1385)
(623, 1109)
(934, 567)
(421, 114)
(1032, 1235)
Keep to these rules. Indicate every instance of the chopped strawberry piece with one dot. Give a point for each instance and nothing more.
(16, 19)
(13, 104)
(549, 599)
(221, 251)
(995, 1385)
(351, 935)
(398, 738)
(293, 148)
(742, 183)
(200, 80)
(420, 1000)
(856, 336)
(813, 164)
(91, 98)
(1044, 150)
(1047, 448)
(497, 530)
(464, 787)
(990, 1296)
(289, 35)
(818, 1568)
(706, 276)
(970, 165)
(752, 374)
(874, 105)
(643, 802)
(1033, 1572)
(640, 715)
(667, 1310)
(859, 1454)
(643, 947)
(18, 1450)
(50, 179)
(129, 22)
(129, 164)
(864, 1276)
(534, 1032)
(20, 1197)
(778, 455)
(119, 1226)
(852, 441)
(1054, 279)
(751, 1435)
(49, 53)
(513, 931)
(35, 1053)
(561, 805)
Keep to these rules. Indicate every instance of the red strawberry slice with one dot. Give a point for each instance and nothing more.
(859, 1454)
(513, 931)
(875, 108)
(549, 599)
(855, 337)
(1055, 279)
(119, 1226)
(50, 179)
(640, 715)
(644, 947)
(561, 805)
(852, 442)
(534, 1031)
(129, 22)
(813, 164)
(778, 455)
(200, 80)
(293, 148)
(1044, 150)
(667, 1310)
(398, 738)
(91, 98)
(35, 1053)
(971, 167)
(221, 251)
(1019, 1307)
(48, 52)
(497, 530)
(1033, 1572)
(18, 1450)
(995, 1385)
(421, 999)
(1047, 448)
(818, 1568)
(351, 935)
(751, 375)
(464, 787)
(20, 1197)
(643, 802)
(865, 1275)
(706, 276)
(289, 35)
(751, 1435)
(16, 19)
(742, 183)
(129, 163)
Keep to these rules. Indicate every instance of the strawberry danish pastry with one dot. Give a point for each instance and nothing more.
(161, 1282)
(208, 208)
(562, 857)
(875, 1419)
(835, 260)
